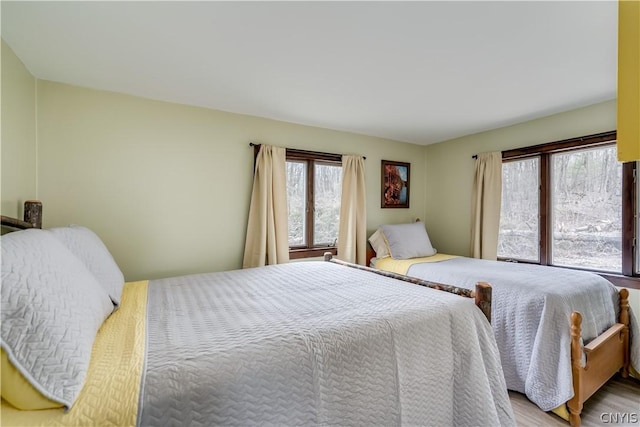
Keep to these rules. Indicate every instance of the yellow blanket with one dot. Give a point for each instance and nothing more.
(401, 266)
(110, 393)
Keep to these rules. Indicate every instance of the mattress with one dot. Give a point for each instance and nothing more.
(531, 311)
(309, 343)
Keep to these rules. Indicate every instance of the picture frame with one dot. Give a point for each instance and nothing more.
(395, 184)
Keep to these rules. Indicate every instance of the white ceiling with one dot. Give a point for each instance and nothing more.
(419, 72)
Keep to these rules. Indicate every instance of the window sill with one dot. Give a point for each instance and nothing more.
(622, 281)
(311, 252)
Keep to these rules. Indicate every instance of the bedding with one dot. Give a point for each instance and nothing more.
(52, 308)
(89, 249)
(316, 343)
(379, 244)
(400, 266)
(530, 316)
(111, 391)
(407, 241)
(296, 344)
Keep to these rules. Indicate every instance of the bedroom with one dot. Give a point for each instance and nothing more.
(145, 174)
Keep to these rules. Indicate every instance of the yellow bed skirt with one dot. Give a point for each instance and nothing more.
(562, 411)
(111, 391)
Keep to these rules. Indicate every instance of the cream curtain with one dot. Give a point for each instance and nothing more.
(267, 239)
(352, 236)
(485, 205)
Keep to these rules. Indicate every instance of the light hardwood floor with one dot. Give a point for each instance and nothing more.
(618, 396)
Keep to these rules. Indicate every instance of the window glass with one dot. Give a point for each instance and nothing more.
(519, 214)
(587, 209)
(327, 191)
(297, 201)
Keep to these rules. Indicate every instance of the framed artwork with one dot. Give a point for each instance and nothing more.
(395, 184)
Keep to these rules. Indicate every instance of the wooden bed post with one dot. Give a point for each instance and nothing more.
(33, 213)
(575, 404)
(624, 319)
(483, 298)
(32, 217)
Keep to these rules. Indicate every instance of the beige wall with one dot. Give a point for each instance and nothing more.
(450, 167)
(167, 186)
(18, 119)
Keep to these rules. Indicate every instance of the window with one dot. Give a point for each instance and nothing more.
(297, 202)
(586, 209)
(327, 192)
(314, 187)
(519, 215)
(571, 204)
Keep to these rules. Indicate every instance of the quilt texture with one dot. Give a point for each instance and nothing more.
(313, 343)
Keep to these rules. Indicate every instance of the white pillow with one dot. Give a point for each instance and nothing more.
(52, 308)
(407, 241)
(379, 245)
(89, 249)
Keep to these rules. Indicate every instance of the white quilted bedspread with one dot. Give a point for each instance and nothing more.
(317, 343)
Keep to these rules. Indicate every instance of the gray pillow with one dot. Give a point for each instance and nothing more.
(52, 308)
(407, 241)
(88, 247)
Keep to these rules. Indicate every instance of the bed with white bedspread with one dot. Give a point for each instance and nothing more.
(316, 343)
(561, 333)
(531, 309)
(310, 343)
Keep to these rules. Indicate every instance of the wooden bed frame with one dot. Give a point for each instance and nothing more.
(605, 355)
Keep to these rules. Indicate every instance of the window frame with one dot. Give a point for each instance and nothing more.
(309, 250)
(629, 276)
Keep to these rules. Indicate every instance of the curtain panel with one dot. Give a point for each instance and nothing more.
(485, 205)
(352, 235)
(267, 240)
